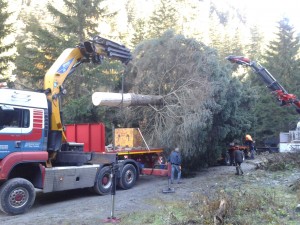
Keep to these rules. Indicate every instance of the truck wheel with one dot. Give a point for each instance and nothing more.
(17, 196)
(103, 181)
(227, 159)
(128, 177)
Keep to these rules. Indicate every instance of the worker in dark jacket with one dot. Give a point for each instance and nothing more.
(175, 160)
(238, 158)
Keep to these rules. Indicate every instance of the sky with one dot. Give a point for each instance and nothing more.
(265, 12)
(268, 13)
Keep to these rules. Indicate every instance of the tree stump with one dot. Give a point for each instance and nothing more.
(221, 212)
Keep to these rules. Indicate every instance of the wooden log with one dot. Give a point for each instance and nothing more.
(124, 100)
(221, 212)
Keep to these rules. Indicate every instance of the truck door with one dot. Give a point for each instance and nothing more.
(13, 122)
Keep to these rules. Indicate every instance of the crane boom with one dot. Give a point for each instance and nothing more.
(281, 94)
(91, 51)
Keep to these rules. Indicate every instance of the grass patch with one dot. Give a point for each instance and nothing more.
(264, 197)
(282, 161)
(246, 204)
(261, 205)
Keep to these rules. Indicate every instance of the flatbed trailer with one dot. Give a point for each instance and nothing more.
(133, 161)
(147, 160)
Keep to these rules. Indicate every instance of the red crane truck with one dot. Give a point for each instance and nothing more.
(282, 96)
(34, 150)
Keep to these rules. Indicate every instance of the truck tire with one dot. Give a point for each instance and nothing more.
(128, 177)
(16, 196)
(103, 181)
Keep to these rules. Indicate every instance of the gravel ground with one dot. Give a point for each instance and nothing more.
(80, 207)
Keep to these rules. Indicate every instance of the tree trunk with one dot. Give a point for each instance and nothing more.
(126, 99)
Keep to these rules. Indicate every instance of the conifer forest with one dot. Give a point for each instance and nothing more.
(179, 50)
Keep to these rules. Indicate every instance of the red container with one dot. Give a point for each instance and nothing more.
(92, 135)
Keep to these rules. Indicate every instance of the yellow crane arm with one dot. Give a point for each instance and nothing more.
(89, 51)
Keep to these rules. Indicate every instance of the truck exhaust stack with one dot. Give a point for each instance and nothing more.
(128, 99)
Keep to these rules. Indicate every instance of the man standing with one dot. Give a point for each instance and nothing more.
(175, 160)
(238, 158)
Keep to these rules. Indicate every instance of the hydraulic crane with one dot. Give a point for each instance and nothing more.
(281, 94)
(91, 51)
(35, 152)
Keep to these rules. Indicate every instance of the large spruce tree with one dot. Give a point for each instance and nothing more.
(5, 56)
(163, 18)
(72, 22)
(204, 106)
(44, 39)
(282, 61)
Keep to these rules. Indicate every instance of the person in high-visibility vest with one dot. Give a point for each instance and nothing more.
(248, 137)
(250, 144)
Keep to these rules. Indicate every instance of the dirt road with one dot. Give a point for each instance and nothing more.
(79, 207)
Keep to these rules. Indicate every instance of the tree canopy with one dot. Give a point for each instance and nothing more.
(6, 29)
(282, 60)
(201, 111)
(44, 42)
(179, 50)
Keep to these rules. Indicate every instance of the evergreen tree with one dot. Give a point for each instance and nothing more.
(140, 33)
(216, 32)
(42, 43)
(254, 49)
(75, 22)
(282, 61)
(37, 48)
(163, 18)
(201, 111)
(5, 56)
(225, 37)
(282, 56)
